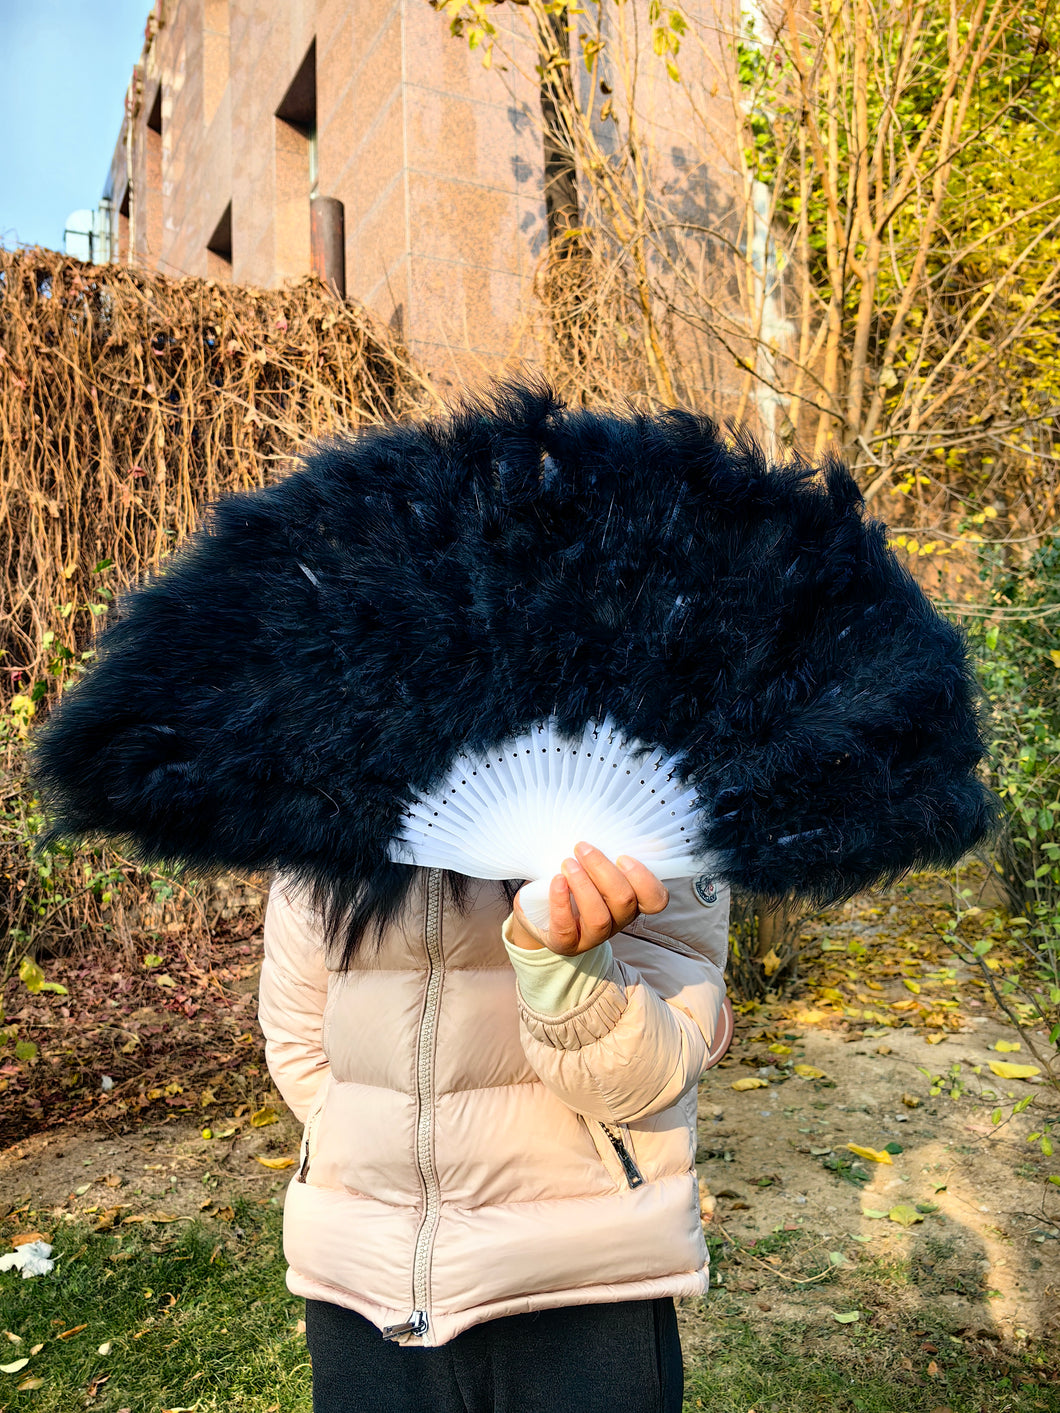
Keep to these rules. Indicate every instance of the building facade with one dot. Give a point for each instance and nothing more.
(264, 138)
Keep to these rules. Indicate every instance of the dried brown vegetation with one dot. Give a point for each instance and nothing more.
(128, 402)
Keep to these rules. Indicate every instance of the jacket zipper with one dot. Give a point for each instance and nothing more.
(303, 1171)
(418, 1322)
(634, 1176)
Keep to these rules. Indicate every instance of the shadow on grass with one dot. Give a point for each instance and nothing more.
(801, 1350)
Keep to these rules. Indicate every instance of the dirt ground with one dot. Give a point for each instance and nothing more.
(797, 1218)
(993, 1249)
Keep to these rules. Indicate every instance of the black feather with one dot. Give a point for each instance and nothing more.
(268, 698)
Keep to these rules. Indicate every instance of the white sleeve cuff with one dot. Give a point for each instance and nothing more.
(551, 983)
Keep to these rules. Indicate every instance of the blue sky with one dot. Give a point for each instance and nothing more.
(64, 69)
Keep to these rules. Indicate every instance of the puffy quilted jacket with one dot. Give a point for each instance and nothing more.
(466, 1158)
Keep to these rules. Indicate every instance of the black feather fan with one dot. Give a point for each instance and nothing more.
(266, 701)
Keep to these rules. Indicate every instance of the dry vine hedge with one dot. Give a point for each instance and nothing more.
(128, 402)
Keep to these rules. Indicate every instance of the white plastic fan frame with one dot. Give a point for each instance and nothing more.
(517, 811)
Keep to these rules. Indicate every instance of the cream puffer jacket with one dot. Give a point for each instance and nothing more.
(465, 1158)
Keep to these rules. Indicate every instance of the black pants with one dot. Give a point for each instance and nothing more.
(623, 1358)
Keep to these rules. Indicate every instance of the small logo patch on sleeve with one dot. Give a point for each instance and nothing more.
(705, 889)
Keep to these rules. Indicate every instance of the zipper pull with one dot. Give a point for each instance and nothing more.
(416, 1324)
(634, 1176)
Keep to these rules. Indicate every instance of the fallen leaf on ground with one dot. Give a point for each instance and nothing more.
(905, 1214)
(26, 1236)
(874, 1155)
(809, 1072)
(913, 986)
(750, 1082)
(911, 1101)
(1006, 1047)
(873, 1213)
(848, 1317)
(1009, 1071)
(14, 1367)
(28, 1384)
(263, 1117)
(274, 1162)
(75, 1329)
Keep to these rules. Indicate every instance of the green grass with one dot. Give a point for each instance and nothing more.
(861, 1373)
(813, 1365)
(197, 1317)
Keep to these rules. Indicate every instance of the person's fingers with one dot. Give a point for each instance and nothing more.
(612, 884)
(652, 894)
(563, 930)
(594, 916)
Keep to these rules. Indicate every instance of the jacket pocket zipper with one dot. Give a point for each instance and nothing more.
(303, 1171)
(634, 1176)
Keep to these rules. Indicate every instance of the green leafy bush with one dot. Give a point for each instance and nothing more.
(1018, 650)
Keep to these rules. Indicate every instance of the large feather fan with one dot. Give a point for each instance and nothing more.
(324, 649)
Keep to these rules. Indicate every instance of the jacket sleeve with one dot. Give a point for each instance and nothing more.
(641, 1039)
(291, 1000)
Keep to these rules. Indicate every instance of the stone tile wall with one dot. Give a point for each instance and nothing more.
(438, 167)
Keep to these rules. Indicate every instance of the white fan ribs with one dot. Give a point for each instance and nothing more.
(518, 810)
